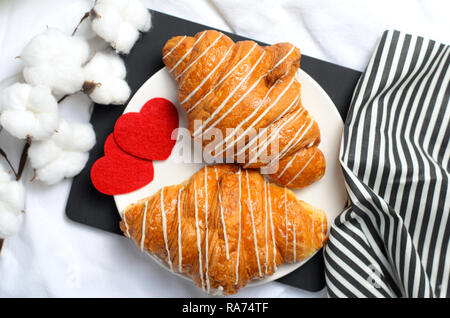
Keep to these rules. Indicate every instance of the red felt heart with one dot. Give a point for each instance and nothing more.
(118, 172)
(148, 134)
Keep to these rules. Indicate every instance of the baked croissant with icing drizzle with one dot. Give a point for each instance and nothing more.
(253, 92)
(225, 227)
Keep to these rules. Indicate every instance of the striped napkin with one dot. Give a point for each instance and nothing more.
(393, 239)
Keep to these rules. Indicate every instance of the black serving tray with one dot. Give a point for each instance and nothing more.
(88, 206)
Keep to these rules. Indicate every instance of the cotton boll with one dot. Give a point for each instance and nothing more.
(131, 11)
(43, 152)
(9, 224)
(63, 136)
(138, 16)
(83, 137)
(119, 22)
(52, 45)
(68, 165)
(43, 46)
(15, 97)
(29, 111)
(116, 93)
(41, 100)
(18, 123)
(126, 38)
(12, 203)
(55, 59)
(78, 137)
(62, 77)
(12, 195)
(106, 22)
(77, 48)
(64, 154)
(105, 79)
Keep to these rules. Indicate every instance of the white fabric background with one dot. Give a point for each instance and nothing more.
(53, 256)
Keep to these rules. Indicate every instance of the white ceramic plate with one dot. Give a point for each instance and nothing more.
(328, 193)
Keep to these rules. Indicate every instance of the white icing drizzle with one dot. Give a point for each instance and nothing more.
(301, 170)
(260, 105)
(207, 76)
(246, 93)
(223, 78)
(268, 139)
(240, 228)
(173, 49)
(221, 106)
(207, 230)
(311, 143)
(221, 215)
(164, 228)
(125, 221)
(282, 60)
(295, 116)
(144, 223)
(187, 52)
(200, 56)
(266, 216)
(273, 231)
(253, 224)
(200, 267)
(218, 291)
(262, 131)
(257, 120)
(244, 121)
(286, 149)
(180, 252)
(291, 144)
(286, 217)
(295, 244)
(288, 164)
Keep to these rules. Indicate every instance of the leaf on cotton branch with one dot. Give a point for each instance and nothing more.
(119, 22)
(105, 79)
(55, 59)
(29, 111)
(12, 204)
(64, 154)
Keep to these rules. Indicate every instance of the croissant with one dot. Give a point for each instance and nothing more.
(225, 227)
(250, 96)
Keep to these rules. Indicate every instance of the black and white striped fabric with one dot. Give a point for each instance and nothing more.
(393, 239)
